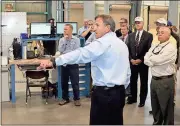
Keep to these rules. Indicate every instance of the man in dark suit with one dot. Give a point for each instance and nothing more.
(123, 23)
(138, 44)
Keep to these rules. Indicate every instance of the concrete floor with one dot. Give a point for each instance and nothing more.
(37, 112)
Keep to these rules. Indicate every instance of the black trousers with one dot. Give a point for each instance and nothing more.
(107, 106)
(141, 69)
(72, 72)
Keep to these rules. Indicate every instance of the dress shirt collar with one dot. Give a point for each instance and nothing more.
(140, 32)
(107, 34)
(125, 36)
(72, 37)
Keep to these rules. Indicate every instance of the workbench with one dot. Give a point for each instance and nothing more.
(13, 63)
(84, 70)
(84, 77)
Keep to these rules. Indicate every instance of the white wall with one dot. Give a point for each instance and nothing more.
(16, 24)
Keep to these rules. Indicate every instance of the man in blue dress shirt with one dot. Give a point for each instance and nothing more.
(67, 44)
(110, 68)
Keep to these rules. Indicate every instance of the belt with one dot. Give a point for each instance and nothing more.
(107, 88)
(162, 77)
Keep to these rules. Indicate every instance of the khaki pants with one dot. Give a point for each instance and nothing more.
(162, 95)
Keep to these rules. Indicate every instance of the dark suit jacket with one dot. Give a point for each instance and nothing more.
(144, 45)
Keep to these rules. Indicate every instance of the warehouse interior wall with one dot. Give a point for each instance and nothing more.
(119, 11)
(99, 9)
(157, 9)
(155, 13)
(89, 5)
(144, 15)
(76, 13)
(33, 6)
(116, 11)
(173, 13)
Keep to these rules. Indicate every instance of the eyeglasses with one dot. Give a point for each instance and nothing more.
(158, 49)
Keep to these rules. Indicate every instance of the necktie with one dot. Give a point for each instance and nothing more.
(137, 43)
(137, 38)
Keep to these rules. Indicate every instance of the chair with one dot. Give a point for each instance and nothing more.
(36, 78)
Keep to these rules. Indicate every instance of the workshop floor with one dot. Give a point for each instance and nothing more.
(37, 112)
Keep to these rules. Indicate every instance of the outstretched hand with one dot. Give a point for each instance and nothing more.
(45, 64)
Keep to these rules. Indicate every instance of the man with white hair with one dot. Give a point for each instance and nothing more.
(160, 22)
(161, 58)
(84, 28)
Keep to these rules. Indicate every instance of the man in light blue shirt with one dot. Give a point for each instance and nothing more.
(110, 69)
(67, 44)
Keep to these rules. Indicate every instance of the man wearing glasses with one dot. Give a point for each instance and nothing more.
(161, 22)
(161, 58)
(123, 23)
